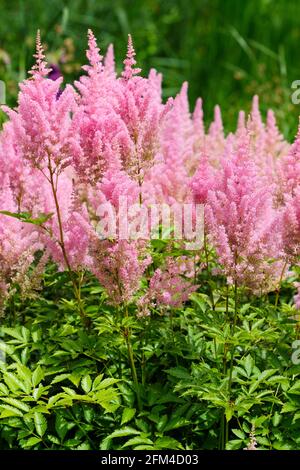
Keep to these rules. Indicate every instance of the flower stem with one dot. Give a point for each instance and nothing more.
(127, 334)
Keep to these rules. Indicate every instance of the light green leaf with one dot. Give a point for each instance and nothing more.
(127, 415)
(86, 383)
(37, 376)
(32, 441)
(40, 423)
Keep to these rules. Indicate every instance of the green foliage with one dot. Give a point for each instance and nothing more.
(202, 384)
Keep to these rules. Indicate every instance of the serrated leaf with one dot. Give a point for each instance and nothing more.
(62, 426)
(16, 403)
(138, 440)
(289, 408)
(104, 383)
(248, 364)
(167, 443)
(53, 439)
(9, 411)
(69, 391)
(32, 441)
(37, 376)
(13, 382)
(179, 372)
(86, 383)
(127, 415)
(235, 444)
(239, 433)
(40, 423)
(59, 378)
(24, 373)
(276, 419)
(26, 217)
(123, 432)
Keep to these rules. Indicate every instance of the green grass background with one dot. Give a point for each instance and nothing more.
(228, 50)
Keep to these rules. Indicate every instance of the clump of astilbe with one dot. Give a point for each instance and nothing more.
(40, 134)
(240, 221)
(170, 285)
(115, 258)
(18, 244)
(113, 123)
(98, 131)
(118, 118)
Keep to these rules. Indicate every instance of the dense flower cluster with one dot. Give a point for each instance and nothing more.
(63, 152)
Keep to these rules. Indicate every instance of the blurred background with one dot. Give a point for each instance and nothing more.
(228, 50)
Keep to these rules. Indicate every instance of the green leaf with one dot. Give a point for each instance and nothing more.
(37, 376)
(179, 372)
(167, 443)
(104, 383)
(13, 382)
(235, 444)
(228, 413)
(40, 423)
(60, 378)
(239, 433)
(32, 441)
(138, 440)
(86, 383)
(277, 417)
(127, 415)
(20, 333)
(53, 439)
(25, 374)
(16, 403)
(62, 426)
(8, 410)
(127, 431)
(248, 364)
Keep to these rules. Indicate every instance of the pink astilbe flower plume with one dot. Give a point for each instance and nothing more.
(41, 122)
(93, 54)
(109, 62)
(240, 221)
(40, 68)
(129, 63)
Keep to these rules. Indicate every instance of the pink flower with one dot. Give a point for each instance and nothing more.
(242, 222)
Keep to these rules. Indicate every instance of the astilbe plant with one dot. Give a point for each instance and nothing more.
(41, 127)
(240, 222)
(71, 157)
